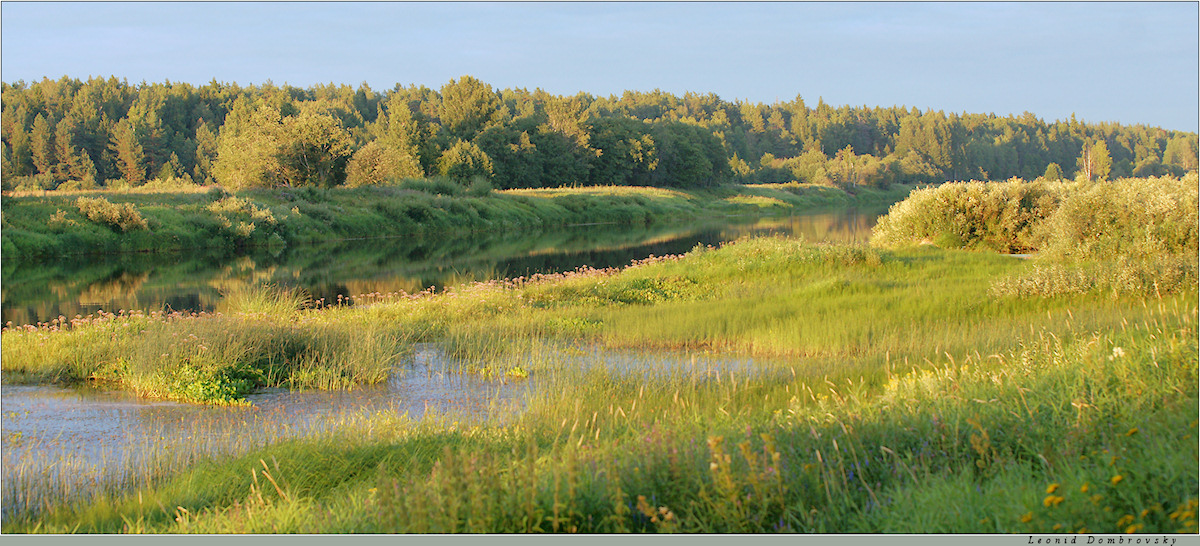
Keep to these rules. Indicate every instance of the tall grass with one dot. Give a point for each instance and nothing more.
(265, 338)
(894, 393)
(1088, 431)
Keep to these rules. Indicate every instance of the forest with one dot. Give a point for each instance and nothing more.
(108, 133)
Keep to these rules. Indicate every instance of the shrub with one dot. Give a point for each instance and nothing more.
(124, 217)
(479, 187)
(1136, 217)
(1000, 216)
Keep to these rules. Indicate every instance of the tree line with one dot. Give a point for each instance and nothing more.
(109, 133)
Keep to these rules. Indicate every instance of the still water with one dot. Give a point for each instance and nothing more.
(195, 281)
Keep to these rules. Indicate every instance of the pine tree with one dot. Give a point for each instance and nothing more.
(42, 144)
(130, 159)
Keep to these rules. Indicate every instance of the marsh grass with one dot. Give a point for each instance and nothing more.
(900, 396)
(999, 437)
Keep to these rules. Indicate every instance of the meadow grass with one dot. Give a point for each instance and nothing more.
(896, 392)
(57, 224)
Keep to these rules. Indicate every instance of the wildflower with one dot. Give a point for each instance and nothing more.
(1117, 479)
(1132, 431)
(1083, 488)
(1125, 520)
(1133, 528)
(1051, 488)
(1057, 526)
(1096, 498)
(1118, 352)
(1028, 516)
(1052, 500)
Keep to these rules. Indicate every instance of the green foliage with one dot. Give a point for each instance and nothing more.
(465, 161)
(1000, 216)
(1053, 172)
(260, 146)
(98, 130)
(1134, 217)
(376, 164)
(1138, 218)
(123, 217)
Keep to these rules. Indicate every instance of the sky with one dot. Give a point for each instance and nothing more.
(1125, 62)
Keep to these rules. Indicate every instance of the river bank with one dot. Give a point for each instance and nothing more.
(53, 225)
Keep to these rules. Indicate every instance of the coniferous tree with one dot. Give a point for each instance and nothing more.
(20, 152)
(1053, 172)
(130, 158)
(206, 153)
(42, 146)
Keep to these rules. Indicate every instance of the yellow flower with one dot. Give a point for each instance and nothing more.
(1051, 488)
(1083, 488)
(1117, 479)
(1096, 498)
(1132, 431)
(1057, 526)
(1144, 512)
(1133, 528)
(1125, 520)
(1082, 530)
(1052, 500)
(1028, 516)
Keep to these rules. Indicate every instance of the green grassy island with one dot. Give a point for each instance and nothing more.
(926, 383)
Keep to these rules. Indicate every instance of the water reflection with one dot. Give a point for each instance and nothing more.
(195, 281)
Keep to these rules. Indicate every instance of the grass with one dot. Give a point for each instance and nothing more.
(53, 225)
(893, 390)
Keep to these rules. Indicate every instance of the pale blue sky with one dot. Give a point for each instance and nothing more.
(1132, 62)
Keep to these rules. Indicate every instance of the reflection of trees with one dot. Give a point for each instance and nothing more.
(40, 292)
(115, 289)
